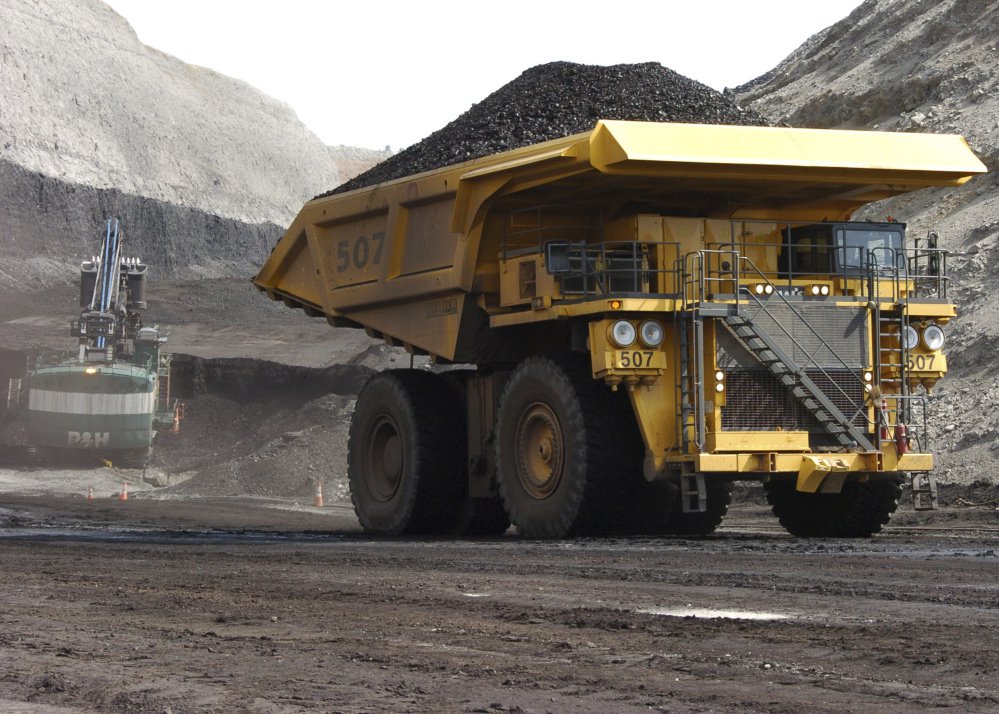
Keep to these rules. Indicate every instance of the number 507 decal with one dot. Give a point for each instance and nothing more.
(360, 252)
(921, 363)
(635, 359)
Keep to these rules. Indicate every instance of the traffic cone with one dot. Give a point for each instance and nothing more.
(90, 493)
(317, 500)
(123, 495)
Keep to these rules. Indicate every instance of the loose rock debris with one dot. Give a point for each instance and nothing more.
(555, 100)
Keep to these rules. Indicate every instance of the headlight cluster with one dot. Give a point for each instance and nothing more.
(933, 337)
(819, 290)
(624, 334)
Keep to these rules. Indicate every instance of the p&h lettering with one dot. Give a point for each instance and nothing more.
(86, 440)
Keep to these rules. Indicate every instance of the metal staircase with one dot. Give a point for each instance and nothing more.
(163, 388)
(798, 383)
(743, 319)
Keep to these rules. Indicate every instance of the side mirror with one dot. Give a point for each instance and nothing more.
(557, 257)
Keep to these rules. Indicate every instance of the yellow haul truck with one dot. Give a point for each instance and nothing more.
(647, 312)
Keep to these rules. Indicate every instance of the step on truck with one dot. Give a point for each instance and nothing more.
(624, 322)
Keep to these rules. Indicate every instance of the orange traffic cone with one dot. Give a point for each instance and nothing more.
(317, 500)
(90, 493)
(123, 495)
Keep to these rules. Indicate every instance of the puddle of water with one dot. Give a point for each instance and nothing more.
(710, 614)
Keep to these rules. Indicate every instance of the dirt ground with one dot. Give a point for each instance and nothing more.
(230, 606)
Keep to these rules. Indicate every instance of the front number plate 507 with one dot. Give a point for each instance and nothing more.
(638, 359)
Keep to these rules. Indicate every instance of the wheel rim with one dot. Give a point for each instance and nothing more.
(384, 460)
(540, 450)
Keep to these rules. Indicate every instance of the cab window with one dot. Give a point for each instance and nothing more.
(807, 250)
(861, 247)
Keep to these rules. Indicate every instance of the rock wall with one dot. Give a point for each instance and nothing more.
(48, 226)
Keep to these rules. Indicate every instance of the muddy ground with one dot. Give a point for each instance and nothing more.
(231, 606)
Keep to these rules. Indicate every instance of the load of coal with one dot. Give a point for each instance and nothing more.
(555, 100)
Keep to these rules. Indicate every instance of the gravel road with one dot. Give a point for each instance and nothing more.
(226, 606)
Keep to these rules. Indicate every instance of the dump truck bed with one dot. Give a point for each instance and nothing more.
(416, 260)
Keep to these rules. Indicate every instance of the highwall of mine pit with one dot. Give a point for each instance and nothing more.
(48, 226)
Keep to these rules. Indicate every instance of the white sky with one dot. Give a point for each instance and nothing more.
(388, 72)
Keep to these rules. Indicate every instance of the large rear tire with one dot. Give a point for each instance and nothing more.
(406, 455)
(859, 510)
(554, 451)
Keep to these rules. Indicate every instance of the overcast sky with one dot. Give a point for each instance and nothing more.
(375, 73)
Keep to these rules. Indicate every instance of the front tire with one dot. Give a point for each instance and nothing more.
(859, 510)
(554, 452)
(406, 455)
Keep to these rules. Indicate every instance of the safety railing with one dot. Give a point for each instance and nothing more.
(595, 269)
(912, 410)
(697, 281)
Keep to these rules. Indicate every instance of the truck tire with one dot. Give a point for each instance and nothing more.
(719, 496)
(860, 510)
(554, 448)
(406, 455)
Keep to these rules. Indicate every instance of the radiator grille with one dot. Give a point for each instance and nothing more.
(819, 333)
(756, 401)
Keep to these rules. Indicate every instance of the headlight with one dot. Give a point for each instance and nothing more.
(652, 333)
(622, 333)
(933, 337)
(910, 338)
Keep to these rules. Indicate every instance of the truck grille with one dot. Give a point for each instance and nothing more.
(756, 401)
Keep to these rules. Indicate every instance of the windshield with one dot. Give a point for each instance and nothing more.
(880, 246)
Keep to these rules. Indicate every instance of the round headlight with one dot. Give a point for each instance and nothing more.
(759, 288)
(816, 289)
(622, 333)
(910, 338)
(768, 289)
(652, 333)
(933, 337)
(825, 290)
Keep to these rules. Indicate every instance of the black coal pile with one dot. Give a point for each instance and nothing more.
(559, 99)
